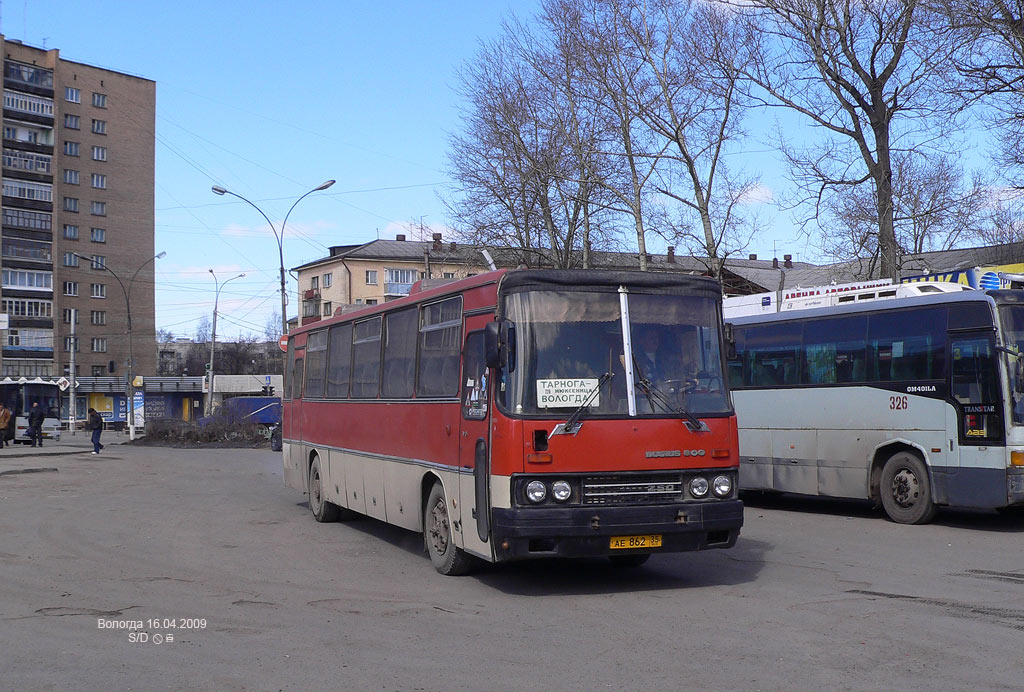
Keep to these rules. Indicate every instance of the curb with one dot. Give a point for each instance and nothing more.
(49, 469)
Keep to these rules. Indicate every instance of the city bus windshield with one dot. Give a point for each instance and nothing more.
(566, 341)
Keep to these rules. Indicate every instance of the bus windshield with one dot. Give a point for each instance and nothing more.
(48, 397)
(565, 341)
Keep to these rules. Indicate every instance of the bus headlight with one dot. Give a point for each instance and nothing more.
(723, 486)
(699, 486)
(536, 491)
(561, 491)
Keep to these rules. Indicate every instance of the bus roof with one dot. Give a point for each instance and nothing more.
(871, 306)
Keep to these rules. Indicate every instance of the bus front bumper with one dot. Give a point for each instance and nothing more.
(587, 531)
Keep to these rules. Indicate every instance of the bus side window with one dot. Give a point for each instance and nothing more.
(297, 379)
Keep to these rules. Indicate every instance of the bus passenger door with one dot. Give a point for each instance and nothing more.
(474, 452)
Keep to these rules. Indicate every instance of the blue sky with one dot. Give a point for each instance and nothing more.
(269, 100)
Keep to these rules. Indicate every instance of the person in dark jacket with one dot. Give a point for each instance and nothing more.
(96, 425)
(35, 424)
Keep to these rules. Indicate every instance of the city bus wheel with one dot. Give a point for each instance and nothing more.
(906, 490)
(323, 511)
(437, 534)
(629, 560)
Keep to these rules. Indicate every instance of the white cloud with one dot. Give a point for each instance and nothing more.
(758, 194)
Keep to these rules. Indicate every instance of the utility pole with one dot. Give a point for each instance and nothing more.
(73, 405)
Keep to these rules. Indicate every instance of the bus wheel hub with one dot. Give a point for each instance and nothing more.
(905, 488)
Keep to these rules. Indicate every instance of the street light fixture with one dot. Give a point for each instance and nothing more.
(130, 384)
(218, 190)
(213, 338)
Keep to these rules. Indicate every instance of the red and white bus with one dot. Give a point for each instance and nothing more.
(523, 414)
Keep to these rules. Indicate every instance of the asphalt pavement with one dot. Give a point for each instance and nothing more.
(149, 568)
(22, 458)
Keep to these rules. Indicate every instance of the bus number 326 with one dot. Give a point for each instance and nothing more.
(897, 403)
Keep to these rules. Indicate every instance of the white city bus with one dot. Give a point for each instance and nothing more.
(19, 395)
(913, 402)
(803, 298)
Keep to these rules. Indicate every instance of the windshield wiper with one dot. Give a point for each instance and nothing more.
(655, 395)
(572, 424)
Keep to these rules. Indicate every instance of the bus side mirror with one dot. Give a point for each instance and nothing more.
(730, 342)
(492, 344)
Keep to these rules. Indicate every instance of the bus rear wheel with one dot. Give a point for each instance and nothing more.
(323, 511)
(437, 534)
(906, 490)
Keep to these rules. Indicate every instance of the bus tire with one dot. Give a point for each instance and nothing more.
(437, 535)
(634, 560)
(906, 490)
(323, 511)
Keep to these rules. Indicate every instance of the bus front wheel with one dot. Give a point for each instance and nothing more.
(437, 534)
(906, 490)
(323, 511)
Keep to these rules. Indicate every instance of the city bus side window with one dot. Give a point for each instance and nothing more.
(834, 350)
(339, 361)
(775, 354)
(297, 379)
(366, 360)
(316, 361)
(440, 329)
(907, 345)
(400, 354)
(289, 367)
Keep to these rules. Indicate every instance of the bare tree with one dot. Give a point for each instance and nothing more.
(203, 330)
(518, 179)
(686, 93)
(935, 208)
(868, 77)
(272, 327)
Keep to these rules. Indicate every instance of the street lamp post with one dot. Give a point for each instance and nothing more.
(130, 384)
(213, 337)
(218, 190)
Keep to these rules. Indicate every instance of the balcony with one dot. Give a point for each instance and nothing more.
(397, 289)
(311, 294)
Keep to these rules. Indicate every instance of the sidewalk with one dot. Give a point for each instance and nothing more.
(27, 459)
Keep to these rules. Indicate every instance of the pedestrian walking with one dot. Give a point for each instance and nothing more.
(35, 424)
(5, 419)
(96, 425)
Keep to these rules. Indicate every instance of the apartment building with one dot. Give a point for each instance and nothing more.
(378, 271)
(78, 180)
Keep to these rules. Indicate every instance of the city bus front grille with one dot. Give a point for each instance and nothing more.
(632, 489)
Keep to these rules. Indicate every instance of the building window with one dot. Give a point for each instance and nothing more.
(99, 345)
(98, 290)
(71, 288)
(314, 283)
(99, 100)
(21, 307)
(99, 262)
(327, 280)
(98, 316)
(70, 204)
(310, 308)
(22, 218)
(98, 371)
(10, 132)
(26, 190)
(29, 280)
(71, 148)
(72, 122)
(70, 176)
(447, 275)
(68, 341)
(99, 181)
(70, 232)
(371, 277)
(99, 126)
(99, 208)
(98, 154)
(26, 103)
(327, 308)
(27, 161)
(72, 95)
(70, 259)
(68, 314)
(26, 249)
(371, 301)
(98, 235)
